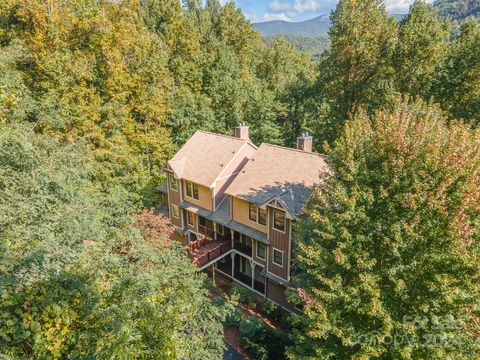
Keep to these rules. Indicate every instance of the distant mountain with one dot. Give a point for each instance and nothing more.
(458, 10)
(314, 27)
(318, 26)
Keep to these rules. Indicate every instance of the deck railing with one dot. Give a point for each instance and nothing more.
(210, 233)
(211, 253)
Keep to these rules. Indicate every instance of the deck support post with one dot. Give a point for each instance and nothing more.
(252, 266)
(233, 263)
(213, 273)
(215, 230)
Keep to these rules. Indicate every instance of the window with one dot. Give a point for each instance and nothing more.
(262, 216)
(190, 218)
(257, 214)
(279, 220)
(261, 250)
(278, 257)
(243, 265)
(173, 183)
(252, 212)
(175, 212)
(220, 229)
(192, 190)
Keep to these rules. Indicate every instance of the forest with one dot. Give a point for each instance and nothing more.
(95, 96)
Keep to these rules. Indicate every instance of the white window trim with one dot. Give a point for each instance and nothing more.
(188, 218)
(258, 215)
(193, 193)
(220, 226)
(265, 257)
(173, 212)
(273, 257)
(171, 182)
(284, 223)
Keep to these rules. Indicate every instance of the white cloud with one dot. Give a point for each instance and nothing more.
(399, 6)
(277, 5)
(277, 16)
(307, 5)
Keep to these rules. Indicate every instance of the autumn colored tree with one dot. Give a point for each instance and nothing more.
(389, 252)
(80, 277)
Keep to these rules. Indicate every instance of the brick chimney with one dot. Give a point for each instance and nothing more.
(241, 131)
(305, 142)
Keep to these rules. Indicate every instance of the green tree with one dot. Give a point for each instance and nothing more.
(390, 248)
(94, 70)
(457, 85)
(79, 276)
(422, 42)
(356, 71)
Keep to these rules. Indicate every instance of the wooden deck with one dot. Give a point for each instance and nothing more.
(203, 252)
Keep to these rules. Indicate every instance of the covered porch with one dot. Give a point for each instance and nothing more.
(242, 270)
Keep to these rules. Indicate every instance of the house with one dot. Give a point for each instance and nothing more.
(234, 205)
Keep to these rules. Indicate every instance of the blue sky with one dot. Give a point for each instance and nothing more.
(298, 10)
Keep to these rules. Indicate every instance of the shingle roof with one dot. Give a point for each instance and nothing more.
(204, 156)
(279, 172)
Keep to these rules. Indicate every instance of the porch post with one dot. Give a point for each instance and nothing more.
(232, 255)
(252, 266)
(215, 230)
(232, 235)
(213, 273)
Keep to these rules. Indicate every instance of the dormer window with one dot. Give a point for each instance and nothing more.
(173, 183)
(279, 220)
(257, 214)
(192, 190)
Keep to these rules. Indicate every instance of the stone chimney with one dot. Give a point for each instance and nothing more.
(305, 142)
(241, 131)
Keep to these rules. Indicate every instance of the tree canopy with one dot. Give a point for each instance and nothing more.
(389, 251)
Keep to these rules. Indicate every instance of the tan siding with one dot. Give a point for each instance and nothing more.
(279, 241)
(240, 214)
(204, 196)
(174, 198)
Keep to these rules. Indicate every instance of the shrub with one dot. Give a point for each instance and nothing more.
(252, 337)
(244, 295)
(270, 309)
(234, 318)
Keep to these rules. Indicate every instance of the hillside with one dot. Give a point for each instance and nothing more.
(458, 10)
(313, 27)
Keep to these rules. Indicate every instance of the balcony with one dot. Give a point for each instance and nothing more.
(202, 252)
(243, 248)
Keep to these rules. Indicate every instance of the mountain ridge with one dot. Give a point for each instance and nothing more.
(317, 26)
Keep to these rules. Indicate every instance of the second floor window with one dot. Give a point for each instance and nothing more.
(192, 190)
(173, 183)
(261, 249)
(278, 257)
(279, 220)
(257, 214)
